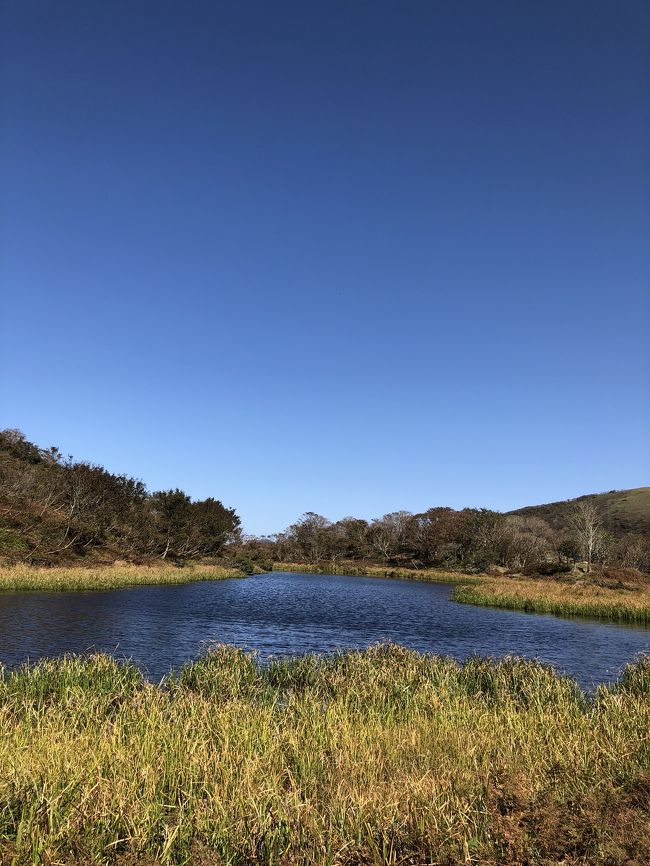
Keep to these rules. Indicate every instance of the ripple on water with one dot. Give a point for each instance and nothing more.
(283, 613)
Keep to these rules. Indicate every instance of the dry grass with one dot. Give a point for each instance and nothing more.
(377, 757)
(23, 577)
(433, 575)
(629, 603)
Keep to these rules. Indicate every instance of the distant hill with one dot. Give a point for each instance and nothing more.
(622, 511)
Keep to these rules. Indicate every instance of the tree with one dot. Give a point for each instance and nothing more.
(214, 524)
(437, 535)
(352, 533)
(587, 530)
(388, 533)
(484, 537)
(53, 507)
(187, 529)
(309, 535)
(526, 541)
(633, 551)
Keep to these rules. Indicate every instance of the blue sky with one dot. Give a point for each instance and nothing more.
(340, 257)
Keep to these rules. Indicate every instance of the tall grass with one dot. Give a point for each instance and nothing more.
(376, 757)
(631, 604)
(23, 577)
(352, 567)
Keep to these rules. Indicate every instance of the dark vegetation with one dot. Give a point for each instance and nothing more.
(54, 509)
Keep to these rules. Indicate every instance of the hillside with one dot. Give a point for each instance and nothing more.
(621, 511)
(55, 509)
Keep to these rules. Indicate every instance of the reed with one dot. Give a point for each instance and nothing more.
(432, 575)
(23, 577)
(625, 604)
(377, 757)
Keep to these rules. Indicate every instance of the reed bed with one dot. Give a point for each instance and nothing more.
(23, 577)
(628, 604)
(378, 757)
(427, 574)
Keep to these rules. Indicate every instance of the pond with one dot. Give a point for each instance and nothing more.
(283, 613)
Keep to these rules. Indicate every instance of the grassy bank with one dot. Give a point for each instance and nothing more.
(354, 568)
(22, 577)
(564, 598)
(375, 757)
(628, 603)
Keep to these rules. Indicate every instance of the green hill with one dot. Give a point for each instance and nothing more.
(622, 511)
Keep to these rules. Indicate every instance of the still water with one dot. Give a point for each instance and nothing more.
(161, 627)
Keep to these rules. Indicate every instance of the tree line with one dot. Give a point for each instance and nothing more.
(54, 508)
(472, 539)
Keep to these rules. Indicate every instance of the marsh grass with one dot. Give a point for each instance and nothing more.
(427, 574)
(624, 604)
(23, 577)
(375, 757)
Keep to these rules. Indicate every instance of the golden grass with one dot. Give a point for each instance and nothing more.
(377, 757)
(629, 604)
(23, 577)
(433, 575)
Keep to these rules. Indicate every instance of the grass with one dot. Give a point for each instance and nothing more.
(626, 603)
(432, 575)
(376, 757)
(22, 577)
(621, 510)
(564, 598)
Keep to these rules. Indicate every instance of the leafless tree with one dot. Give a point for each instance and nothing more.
(526, 541)
(587, 529)
(387, 533)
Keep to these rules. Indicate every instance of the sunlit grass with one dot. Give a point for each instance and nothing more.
(630, 604)
(433, 575)
(382, 756)
(23, 577)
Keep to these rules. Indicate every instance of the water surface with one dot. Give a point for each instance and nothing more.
(161, 627)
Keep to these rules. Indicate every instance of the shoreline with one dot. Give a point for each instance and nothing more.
(427, 575)
(525, 594)
(620, 604)
(530, 595)
(20, 578)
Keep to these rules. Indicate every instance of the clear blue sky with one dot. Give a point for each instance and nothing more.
(348, 257)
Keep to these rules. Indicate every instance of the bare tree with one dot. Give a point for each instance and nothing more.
(526, 541)
(587, 530)
(387, 533)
